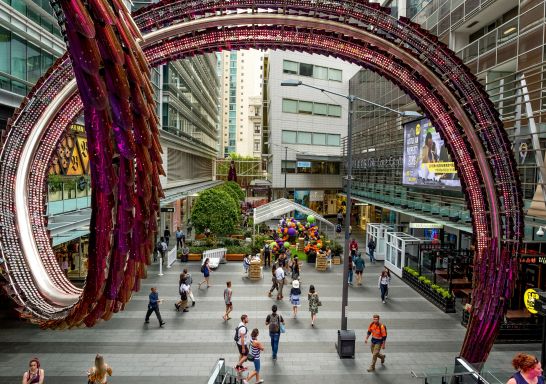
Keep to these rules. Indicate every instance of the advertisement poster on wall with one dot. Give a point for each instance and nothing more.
(302, 198)
(426, 160)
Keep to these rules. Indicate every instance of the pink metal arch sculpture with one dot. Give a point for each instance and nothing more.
(111, 74)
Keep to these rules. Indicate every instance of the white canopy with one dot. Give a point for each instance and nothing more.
(279, 207)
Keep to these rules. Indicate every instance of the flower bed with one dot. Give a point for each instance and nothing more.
(437, 295)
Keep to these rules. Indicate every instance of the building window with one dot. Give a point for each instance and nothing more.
(320, 109)
(288, 166)
(305, 107)
(289, 106)
(306, 70)
(304, 138)
(320, 72)
(319, 139)
(334, 74)
(333, 140)
(257, 145)
(289, 137)
(334, 110)
(290, 67)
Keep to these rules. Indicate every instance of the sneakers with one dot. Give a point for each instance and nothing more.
(260, 381)
(193, 304)
(383, 301)
(383, 359)
(146, 322)
(245, 381)
(177, 307)
(371, 369)
(162, 324)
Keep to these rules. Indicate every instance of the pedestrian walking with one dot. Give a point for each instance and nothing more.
(167, 234)
(184, 290)
(295, 268)
(353, 247)
(189, 282)
(267, 255)
(295, 293)
(279, 275)
(274, 281)
(242, 340)
(340, 217)
(529, 370)
(205, 269)
(371, 250)
(383, 284)
(153, 306)
(163, 247)
(254, 355)
(351, 270)
(314, 303)
(180, 238)
(359, 267)
(99, 372)
(378, 332)
(274, 321)
(227, 301)
(35, 374)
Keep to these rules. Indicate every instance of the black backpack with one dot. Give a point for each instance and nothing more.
(203, 268)
(237, 336)
(274, 323)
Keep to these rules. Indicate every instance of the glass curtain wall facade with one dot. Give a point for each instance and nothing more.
(30, 41)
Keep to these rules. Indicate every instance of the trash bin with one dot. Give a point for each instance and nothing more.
(346, 344)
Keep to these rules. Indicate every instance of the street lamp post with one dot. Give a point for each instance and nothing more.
(351, 99)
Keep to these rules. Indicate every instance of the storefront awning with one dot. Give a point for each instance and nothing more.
(312, 157)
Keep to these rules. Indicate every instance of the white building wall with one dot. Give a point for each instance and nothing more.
(308, 123)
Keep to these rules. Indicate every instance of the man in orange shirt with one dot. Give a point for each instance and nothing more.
(379, 338)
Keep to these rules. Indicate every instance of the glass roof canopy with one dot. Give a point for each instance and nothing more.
(282, 206)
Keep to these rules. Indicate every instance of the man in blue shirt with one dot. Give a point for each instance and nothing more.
(153, 306)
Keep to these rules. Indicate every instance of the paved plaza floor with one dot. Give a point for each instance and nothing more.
(420, 337)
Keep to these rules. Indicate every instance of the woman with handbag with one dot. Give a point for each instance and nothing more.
(98, 374)
(314, 303)
(254, 355)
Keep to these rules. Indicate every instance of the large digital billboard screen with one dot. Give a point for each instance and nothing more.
(426, 160)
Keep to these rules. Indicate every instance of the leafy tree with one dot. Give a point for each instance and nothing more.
(216, 209)
(234, 190)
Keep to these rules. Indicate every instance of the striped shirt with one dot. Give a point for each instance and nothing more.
(254, 351)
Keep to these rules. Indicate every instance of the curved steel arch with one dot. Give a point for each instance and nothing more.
(122, 129)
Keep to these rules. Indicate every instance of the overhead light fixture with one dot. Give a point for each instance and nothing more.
(540, 231)
(509, 30)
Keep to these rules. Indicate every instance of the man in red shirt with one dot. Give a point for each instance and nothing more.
(379, 337)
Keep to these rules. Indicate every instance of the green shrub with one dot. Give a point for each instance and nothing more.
(239, 249)
(236, 190)
(217, 210)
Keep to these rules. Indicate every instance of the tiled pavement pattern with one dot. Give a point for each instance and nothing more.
(420, 336)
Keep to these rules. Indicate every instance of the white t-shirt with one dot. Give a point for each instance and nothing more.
(279, 273)
(243, 333)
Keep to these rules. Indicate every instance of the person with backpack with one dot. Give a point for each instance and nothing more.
(340, 217)
(279, 275)
(162, 248)
(378, 332)
(274, 321)
(189, 281)
(295, 293)
(359, 267)
(267, 255)
(35, 374)
(338, 230)
(254, 355)
(227, 301)
(242, 340)
(183, 290)
(205, 270)
(167, 234)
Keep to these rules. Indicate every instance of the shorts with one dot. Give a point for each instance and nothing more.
(240, 348)
(257, 365)
(359, 272)
(229, 306)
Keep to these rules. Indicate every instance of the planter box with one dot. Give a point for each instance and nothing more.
(235, 256)
(446, 305)
(238, 237)
(195, 257)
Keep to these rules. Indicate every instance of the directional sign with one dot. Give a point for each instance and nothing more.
(529, 298)
(167, 209)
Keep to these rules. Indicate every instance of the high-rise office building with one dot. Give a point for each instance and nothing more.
(306, 127)
(241, 80)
